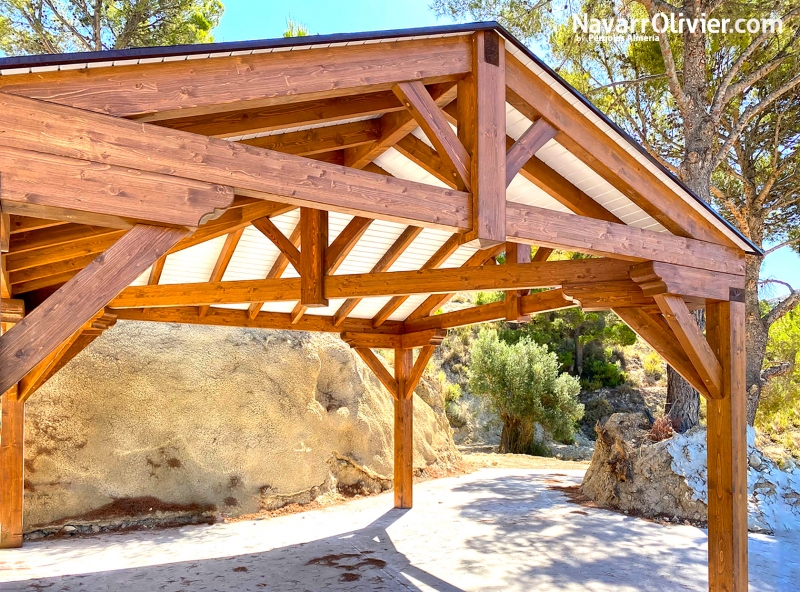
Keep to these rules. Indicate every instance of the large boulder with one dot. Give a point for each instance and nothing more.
(216, 421)
(670, 478)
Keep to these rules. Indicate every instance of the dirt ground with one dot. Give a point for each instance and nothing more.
(493, 460)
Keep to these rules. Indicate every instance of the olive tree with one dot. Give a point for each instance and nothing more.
(522, 383)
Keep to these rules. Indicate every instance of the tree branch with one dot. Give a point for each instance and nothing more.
(782, 307)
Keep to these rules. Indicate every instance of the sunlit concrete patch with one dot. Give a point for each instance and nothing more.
(496, 529)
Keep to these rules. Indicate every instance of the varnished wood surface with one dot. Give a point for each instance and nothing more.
(435, 281)
(31, 340)
(727, 452)
(168, 90)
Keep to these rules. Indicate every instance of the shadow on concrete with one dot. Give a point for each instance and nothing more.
(361, 560)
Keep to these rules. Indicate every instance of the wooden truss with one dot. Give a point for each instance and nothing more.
(104, 176)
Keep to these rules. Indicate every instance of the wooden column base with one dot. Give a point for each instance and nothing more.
(727, 452)
(403, 452)
(11, 470)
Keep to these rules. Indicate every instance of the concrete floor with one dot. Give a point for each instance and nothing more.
(496, 529)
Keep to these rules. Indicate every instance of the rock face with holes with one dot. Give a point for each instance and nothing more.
(670, 478)
(178, 419)
(630, 473)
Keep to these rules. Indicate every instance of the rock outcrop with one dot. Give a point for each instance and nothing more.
(221, 421)
(669, 478)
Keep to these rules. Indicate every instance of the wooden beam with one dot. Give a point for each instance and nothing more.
(11, 311)
(12, 444)
(388, 341)
(436, 260)
(37, 184)
(403, 429)
(605, 295)
(55, 237)
(436, 301)
(36, 377)
(293, 114)
(394, 127)
(428, 281)
(285, 246)
(658, 278)
(317, 141)
(654, 330)
(170, 89)
(692, 340)
(391, 255)
(597, 237)
(5, 232)
(313, 245)
(377, 367)
(727, 451)
(430, 118)
(255, 172)
(485, 91)
(426, 157)
(536, 303)
(224, 317)
(516, 254)
(533, 97)
(25, 224)
(224, 259)
(535, 137)
(564, 192)
(31, 340)
(347, 239)
(156, 270)
(276, 271)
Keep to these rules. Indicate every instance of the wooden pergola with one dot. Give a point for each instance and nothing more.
(350, 184)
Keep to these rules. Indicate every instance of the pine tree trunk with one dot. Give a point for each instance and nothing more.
(683, 402)
(756, 337)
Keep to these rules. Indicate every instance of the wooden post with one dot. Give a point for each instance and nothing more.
(482, 131)
(11, 466)
(313, 243)
(516, 254)
(403, 429)
(727, 449)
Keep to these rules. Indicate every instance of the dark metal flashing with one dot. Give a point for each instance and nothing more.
(35, 61)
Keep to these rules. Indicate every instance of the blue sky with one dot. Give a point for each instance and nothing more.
(264, 19)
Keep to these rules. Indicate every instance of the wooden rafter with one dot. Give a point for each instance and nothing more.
(535, 137)
(320, 140)
(391, 255)
(276, 271)
(430, 118)
(168, 90)
(285, 246)
(156, 270)
(223, 260)
(394, 127)
(530, 95)
(277, 117)
(427, 281)
(426, 157)
(436, 260)
(436, 301)
(31, 340)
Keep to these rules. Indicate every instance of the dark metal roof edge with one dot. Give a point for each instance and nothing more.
(41, 60)
(209, 48)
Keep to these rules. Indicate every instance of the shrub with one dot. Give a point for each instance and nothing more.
(662, 429)
(489, 297)
(653, 367)
(523, 385)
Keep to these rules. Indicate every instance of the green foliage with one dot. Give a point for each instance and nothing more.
(57, 26)
(489, 297)
(582, 341)
(653, 366)
(523, 384)
(295, 29)
(779, 411)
